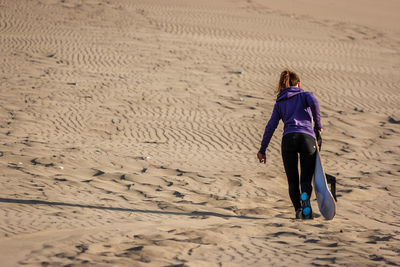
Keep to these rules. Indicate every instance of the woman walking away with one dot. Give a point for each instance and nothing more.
(297, 109)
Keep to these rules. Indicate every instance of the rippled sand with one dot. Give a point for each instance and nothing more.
(129, 132)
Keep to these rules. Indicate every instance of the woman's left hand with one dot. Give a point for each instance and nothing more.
(261, 157)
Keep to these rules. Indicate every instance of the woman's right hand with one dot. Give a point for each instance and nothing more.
(261, 157)
(319, 131)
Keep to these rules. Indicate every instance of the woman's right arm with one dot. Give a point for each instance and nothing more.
(313, 104)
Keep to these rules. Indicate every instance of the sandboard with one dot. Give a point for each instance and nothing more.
(326, 202)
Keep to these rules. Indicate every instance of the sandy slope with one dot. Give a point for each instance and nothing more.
(129, 132)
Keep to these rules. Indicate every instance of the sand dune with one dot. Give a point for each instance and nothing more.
(130, 128)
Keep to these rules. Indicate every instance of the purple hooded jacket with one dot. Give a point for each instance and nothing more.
(297, 109)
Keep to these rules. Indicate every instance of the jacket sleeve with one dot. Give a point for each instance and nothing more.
(313, 104)
(270, 129)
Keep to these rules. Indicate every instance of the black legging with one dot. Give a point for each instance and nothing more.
(292, 145)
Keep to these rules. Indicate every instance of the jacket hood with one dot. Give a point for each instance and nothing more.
(288, 93)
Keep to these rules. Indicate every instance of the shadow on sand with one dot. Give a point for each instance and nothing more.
(52, 203)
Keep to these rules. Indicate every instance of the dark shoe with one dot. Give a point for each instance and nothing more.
(306, 206)
(299, 214)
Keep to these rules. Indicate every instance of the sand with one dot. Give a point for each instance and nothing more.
(129, 132)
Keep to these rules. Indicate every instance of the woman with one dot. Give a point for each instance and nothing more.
(297, 109)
